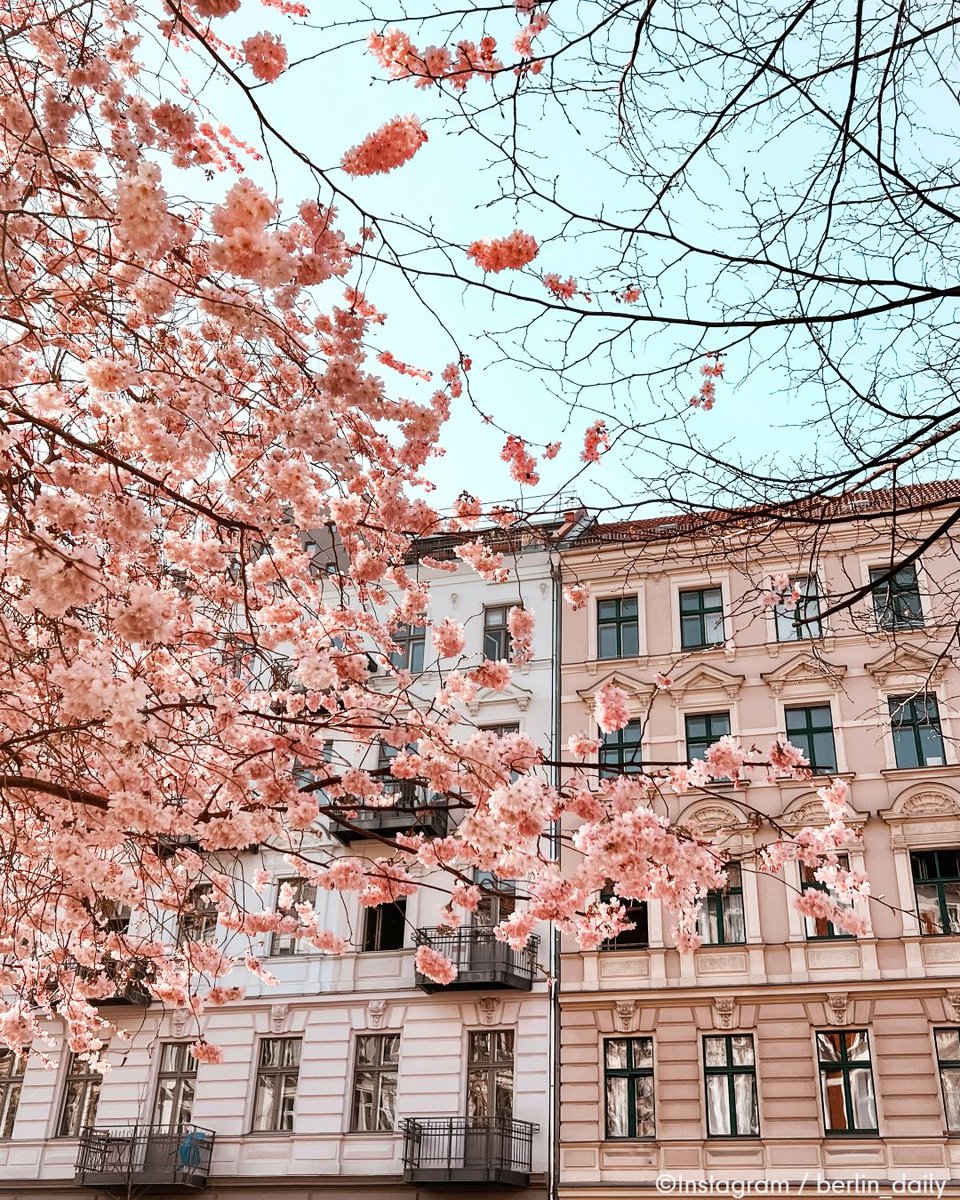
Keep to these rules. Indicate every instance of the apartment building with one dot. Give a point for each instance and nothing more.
(781, 1049)
(352, 1073)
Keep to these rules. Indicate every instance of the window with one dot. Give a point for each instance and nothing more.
(948, 1063)
(198, 921)
(917, 740)
(12, 1067)
(721, 917)
(701, 618)
(498, 899)
(936, 879)
(730, 1080)
(811, 730)
(385, 925)
(620, 751)
(618, 628)
(278, 1069)
(496, 633)
(896, 601)
(490, 1073)
(285, 944)
(628, 1080)
(637, 938)
(375, 1066)
(411, 642)
(80, 1096)
(702, 730)
(846, 1082)
(803, 620)
(176, 1084)
(820, 927)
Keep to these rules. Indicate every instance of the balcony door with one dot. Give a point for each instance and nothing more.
(497, 903)
(488, 1140)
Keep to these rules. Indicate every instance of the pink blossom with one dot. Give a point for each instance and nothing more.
(551, 450)
(203, 1052)
(434, 965)
(522, 463)
(449, 638)
(576, 595)
(787, 758)
(662, 681)
(724, 759)
(520, 623)
(387, 148)
(595, 441)
(266, 56)
(579, 745)
(502, 254)
(493, 675)
(611, 708)
(563, 289)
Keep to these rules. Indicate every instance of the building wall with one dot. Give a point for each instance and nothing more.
(778, 985)
(328, 1001)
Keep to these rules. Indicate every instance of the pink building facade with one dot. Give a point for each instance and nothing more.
(781, 1054)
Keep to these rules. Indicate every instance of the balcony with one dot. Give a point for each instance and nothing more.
(481, 960)
(411, 810)
(145, 1158)
(467, 1150)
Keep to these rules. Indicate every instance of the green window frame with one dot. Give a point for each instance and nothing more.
(721, 920)
(802, 622)
(810, 729)
(896, 600)
(730, 1085)
(376, 1066)
(620, 752)
(917, 736)
(496, 632)
(618, 627)
(846, 1082)
(701, 730)
(411, 643)
(275, 1094)
(12, 1068)
(936, 882)
(701, 618)
(628, 1088)
(819, 928)
(947, 1042)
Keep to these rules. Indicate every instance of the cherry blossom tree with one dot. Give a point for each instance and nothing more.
(212, 507)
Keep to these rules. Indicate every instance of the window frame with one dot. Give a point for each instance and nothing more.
(730, 1070)
(939, 881)
(490, 1068)
(833, 934)
(264, 1071)
(409, 639)
(631, 1073)
(13, 1067)
(89, 1082)
(372, 934)
(619, 764)
(637, 911)
(844, 1067)
(715, 903)
(809, 731)
(950, 1064)
(802, 633)
(179, 1076)
(885, 597)
(377, 1071)
(617, 623)
(701, 612)
(280, 941)
(711, 738)
(915, 724)
(498, 631)
(201, 914)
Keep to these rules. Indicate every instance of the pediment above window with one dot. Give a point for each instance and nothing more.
(636, 691)
(909, 666)
(804, 671)
(807, 810)
(705, 681)
(512, 694)
(924, 816)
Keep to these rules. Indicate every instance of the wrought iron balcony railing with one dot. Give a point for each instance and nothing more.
(409, 808)
(127, 1157)
(467, 1150)
(481, 960)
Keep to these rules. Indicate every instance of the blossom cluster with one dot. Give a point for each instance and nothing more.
(710, 372)
(504, 254)
(387, 148)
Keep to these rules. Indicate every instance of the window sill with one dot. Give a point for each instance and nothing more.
(847, 1134)
(819, 779)
(918, 772)
(635, 1140)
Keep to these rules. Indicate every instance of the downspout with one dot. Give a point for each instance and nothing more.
(553, 1038)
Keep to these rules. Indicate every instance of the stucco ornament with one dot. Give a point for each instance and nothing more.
(625, 1010)
(724, 1008)
(838, 1004)
(279, 1016)
(489, 1007)
(376, 1011)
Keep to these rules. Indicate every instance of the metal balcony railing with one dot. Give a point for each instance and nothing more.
(481, 960)
(410, 808)
(467, 1150)
(125, 1157)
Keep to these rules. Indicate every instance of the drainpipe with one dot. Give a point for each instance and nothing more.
(553, 1037)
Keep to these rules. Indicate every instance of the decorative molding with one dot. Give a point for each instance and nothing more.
(454, 599)
(521, 697)
(804, 669)
(489, 1007)
(730, 650)
(711, 816)
(705, 677)
(923, 801)
(909, 663)
(953, 999)
(543, 588)
(838, 1004)
(279, 1016)
(178, 1021)
(723, 1008)
(635, 690)
(928, 804)
(625, 1010)
(808, 810)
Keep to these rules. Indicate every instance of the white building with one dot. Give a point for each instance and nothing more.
(348, 1074)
